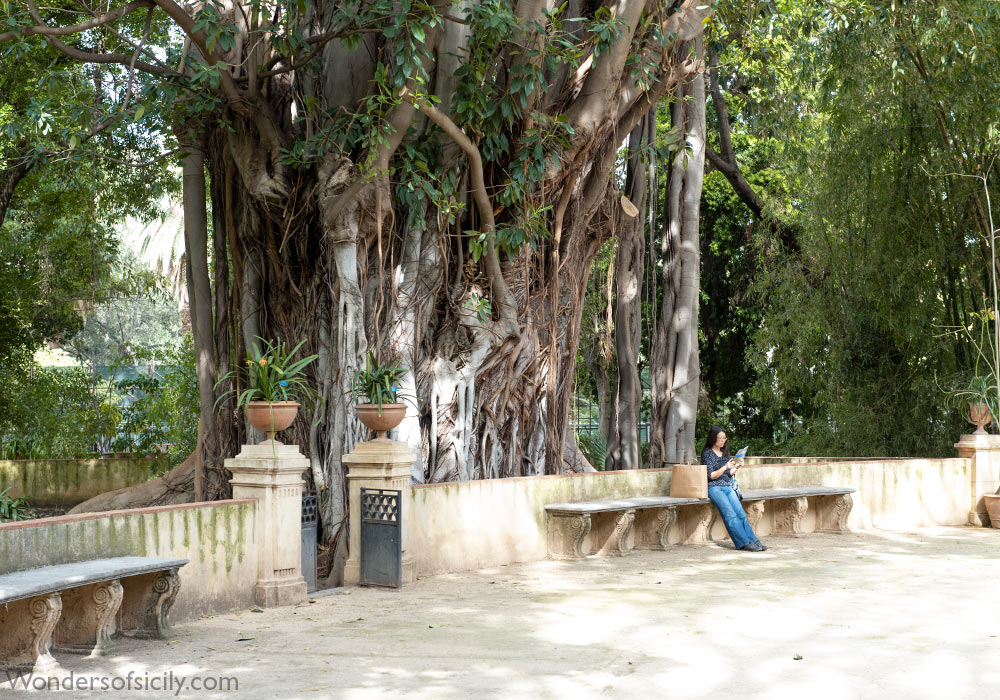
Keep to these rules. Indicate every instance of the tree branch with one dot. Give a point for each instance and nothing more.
(89, 56)
(44, 29)
(477, 183)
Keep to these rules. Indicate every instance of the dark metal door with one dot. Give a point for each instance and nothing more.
(381, 538)
(309, 518)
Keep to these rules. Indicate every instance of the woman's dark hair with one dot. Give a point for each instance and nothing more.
(713, 435)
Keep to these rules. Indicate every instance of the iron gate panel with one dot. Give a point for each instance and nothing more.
(309, 518)
(381, 538)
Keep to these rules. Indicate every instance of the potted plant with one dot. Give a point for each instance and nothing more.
(378, 386)
(981, 396)
(275, 383)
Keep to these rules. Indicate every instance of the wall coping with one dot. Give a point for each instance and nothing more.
(60, 519)
(841, 461)
(541, 477)
(128, 458)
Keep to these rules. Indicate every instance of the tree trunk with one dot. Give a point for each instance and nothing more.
(202, 326)
(623, 444)
(674, 355)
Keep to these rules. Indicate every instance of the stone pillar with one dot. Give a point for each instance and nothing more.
(983, 451)
(379, 464)
(271, 473)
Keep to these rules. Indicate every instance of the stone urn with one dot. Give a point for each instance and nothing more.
(392, 415)
(992, 502)
(979, 416)
(271, 417)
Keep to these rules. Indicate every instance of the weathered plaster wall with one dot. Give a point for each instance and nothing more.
(219, 539)
(479, 524)
(67, 482)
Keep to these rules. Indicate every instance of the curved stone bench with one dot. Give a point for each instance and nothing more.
(659, 522)
(75, 607)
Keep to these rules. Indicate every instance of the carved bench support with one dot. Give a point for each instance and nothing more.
(45, 613)
(88, 620)
(788, 515)
(832, 512)
(755, 511)
(693, 523)
(652, 527)
(147, 604)
(610, 535)
(566, 532)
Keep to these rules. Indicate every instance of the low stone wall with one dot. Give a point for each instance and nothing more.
(894, 494)
(67, 482)
(479, 524)
(219, 539)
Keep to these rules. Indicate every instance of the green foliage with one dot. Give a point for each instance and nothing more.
(594, 447)
(173, 407)
(52, 412)
(271, 375)
(838, 340)
(12, 509)
(378, 383)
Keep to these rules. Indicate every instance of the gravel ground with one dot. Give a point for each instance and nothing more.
(866, 615)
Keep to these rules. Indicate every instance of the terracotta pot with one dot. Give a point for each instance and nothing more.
(979, 416)
(271, 417)
(392, 415)
(992, 502)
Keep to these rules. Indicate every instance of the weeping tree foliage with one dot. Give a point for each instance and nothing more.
(849, 131)
(427, 180)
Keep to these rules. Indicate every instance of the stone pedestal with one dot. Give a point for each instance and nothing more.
(379, 464)
(271, 473)
(984, 453)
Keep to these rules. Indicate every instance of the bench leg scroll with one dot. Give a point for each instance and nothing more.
(566, 533)
(755, 511)
(89, 618)
(107, 600)
(832, 512)
(45, 612)
(161, 598)
(652, 527)
(615, 539)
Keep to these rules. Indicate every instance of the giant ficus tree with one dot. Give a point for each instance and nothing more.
(428, 180)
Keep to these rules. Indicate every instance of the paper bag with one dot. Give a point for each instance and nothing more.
(689, 481)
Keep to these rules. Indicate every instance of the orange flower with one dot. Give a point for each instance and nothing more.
(262, 362)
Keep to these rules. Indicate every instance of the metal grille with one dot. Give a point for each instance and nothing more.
(379, 506)
(310, 513)
(381, 538)
(310, 510)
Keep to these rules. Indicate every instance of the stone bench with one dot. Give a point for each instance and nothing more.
(78, 607)
(616, 526)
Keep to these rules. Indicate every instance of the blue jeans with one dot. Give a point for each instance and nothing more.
(733, 515)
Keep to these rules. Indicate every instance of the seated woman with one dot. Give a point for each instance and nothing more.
(721, 469)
